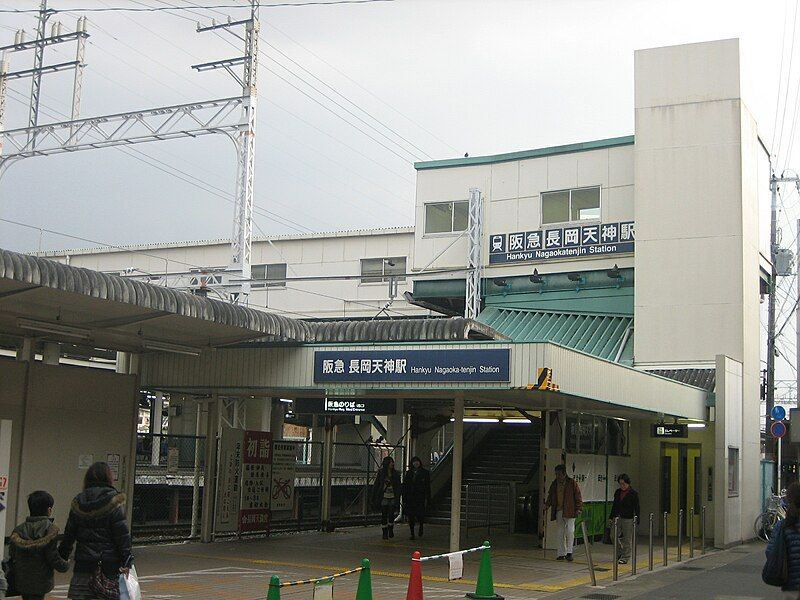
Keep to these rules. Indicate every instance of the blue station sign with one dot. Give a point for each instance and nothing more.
(420, 366)
(567, 242)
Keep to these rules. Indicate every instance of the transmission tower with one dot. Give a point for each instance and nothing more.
(149, 125)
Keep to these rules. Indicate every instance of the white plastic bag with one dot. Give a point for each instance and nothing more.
(129, 586)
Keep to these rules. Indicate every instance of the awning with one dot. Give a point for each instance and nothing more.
(609, 337)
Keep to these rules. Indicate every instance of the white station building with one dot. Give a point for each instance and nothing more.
(633, 267)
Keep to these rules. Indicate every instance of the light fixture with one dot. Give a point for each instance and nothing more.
(500, 282)
(169, 347)
(536, 278)
(614, 273)
(696, 425)
(575, 277)
(53, 328)
(477, 420)
(517, 421)
(286, 400)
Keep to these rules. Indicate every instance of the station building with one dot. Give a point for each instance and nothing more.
(631, 269)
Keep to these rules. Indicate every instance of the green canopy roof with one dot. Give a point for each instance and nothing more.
(609, 337)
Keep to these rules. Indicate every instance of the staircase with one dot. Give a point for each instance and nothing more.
(508, 454)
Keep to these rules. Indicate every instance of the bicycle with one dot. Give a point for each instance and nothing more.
(766, 521)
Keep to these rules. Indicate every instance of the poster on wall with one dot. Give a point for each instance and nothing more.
(113, 463)
(589, 470)
(256, 481)
(284, 459)
(229, 486)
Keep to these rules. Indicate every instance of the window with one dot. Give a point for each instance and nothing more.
(273, 275)
(588, 434)
(377, 270)
(733, 471)
(446, 217)
(567, 206)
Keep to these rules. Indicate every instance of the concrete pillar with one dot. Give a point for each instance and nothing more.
(210, 473)
(123, 362)
(327, 472)
(276, 418)
(458, 457)
(395, 425)
(174, 506)
(51, 353)
(156, 427)
(196, 478)
(26, 351)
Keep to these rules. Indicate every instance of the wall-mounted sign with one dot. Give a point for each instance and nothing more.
(669, 430)
(283, 470)
(345, 406)
(412, 366)
(567, 242)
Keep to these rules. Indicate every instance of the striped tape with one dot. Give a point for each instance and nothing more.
(438, 556)
(321, 579)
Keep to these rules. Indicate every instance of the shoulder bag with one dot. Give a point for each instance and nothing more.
(102, 586)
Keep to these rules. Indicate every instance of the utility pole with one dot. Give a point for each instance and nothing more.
(239, 272)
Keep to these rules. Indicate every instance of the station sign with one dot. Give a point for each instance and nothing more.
(412, 366)
(345, 406)
(669, 430)
(578, 241)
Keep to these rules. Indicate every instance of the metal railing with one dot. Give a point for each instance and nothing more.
(488, 505)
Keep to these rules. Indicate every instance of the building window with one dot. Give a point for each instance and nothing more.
(733, 471)
(377, 270)
(567, 206)
(273, 276)
(446, 217)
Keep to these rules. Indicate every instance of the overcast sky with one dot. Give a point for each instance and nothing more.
(448, 76)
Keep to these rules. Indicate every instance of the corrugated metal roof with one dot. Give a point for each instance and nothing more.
(705, 379)
(45, 273)
(599, 335)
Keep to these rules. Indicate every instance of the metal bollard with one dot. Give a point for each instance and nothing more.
(691, 532)
(615, 539)
(680, 535)
(633, 545)
(650, 546)
(666, 543)
(703, 530)
(588, 553)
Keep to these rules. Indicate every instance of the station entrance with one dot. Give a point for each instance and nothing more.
(681, 485)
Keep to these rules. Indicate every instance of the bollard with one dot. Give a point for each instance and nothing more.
(691, 532)
(615, 539)
(666, 543)
(274, 592)
(703, 530)
(634, 553)
(650, 546)
(588, 553)
(680, 535)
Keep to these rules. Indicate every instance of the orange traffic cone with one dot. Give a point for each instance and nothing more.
(415, 581)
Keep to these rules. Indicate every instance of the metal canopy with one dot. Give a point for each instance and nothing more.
(603, 336)
(118, 313)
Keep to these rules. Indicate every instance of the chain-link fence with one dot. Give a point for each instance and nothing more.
(168, 486)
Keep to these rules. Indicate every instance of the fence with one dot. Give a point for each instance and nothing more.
(488, 505)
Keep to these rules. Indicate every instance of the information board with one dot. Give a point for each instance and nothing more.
(230, 474)
(256, 481)
(284, 461)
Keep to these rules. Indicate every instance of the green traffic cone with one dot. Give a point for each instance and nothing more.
(364, 591)
(274, 592)
(484, 590)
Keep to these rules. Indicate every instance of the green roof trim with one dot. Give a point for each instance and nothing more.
(537, 153)
(603, 336)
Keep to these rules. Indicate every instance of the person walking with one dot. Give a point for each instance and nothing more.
(790, 528)
(34, 549)
(565, 503)
(626, 507)
(416, 495)
(386, 495)
(98, 530)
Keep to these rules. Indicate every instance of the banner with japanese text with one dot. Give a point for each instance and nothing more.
(256, 481)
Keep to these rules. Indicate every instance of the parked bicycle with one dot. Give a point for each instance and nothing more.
(766, 521)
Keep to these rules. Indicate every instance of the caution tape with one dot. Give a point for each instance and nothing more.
(438, 556)
(321, 579)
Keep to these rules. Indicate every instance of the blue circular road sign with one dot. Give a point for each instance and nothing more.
(778, 413)
(778, 429)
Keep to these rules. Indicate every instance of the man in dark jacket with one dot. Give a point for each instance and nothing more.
(626, 507)
(97, 522)
(34, 549)
(566, 504)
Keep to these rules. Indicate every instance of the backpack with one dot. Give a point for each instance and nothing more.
(776, 569)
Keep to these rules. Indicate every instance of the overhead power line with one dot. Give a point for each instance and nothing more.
(153, 9)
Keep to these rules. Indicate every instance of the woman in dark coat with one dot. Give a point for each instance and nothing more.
(386, 495)
(416, 495)
(97, 526)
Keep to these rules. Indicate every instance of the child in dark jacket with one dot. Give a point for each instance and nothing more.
(34, 549)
